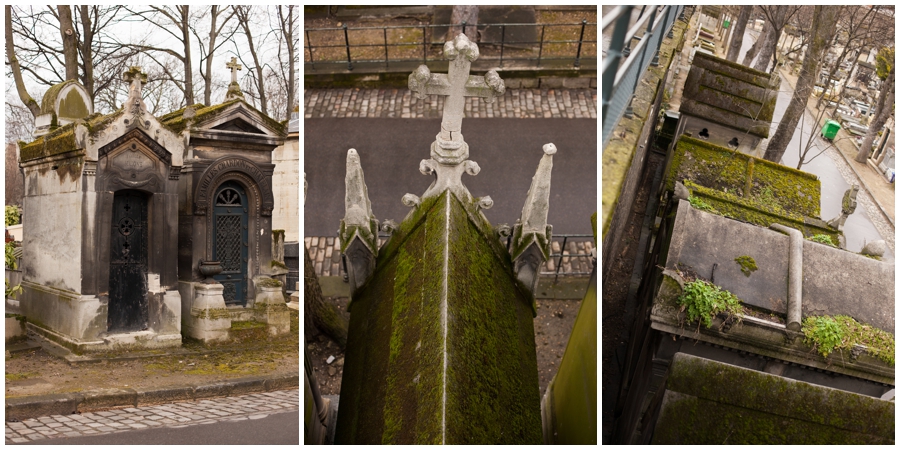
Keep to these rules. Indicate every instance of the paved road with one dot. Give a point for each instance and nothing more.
(508, 151)
(262, 418)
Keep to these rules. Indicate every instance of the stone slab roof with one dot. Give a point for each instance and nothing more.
(708, 402)
(834, 281)
(730, 94)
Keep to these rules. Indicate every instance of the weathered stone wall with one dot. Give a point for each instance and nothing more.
(53, 227)
(15, 181)
(286, 188)
(624, 155)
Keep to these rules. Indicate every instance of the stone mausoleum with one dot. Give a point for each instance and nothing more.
(140, 230)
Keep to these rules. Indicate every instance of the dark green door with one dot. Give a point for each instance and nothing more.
(127, 309)
(230, 241)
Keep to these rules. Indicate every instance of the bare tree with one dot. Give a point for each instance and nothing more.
(208, 49)
(162, 17)
(737, 38)
(288, 22)
(824, 21)
(14, 66)
(67, 35)
(754, 49)
(778, 16)
(243, 15)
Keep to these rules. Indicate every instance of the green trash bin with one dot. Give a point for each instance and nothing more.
(726, 24)
(829, 131)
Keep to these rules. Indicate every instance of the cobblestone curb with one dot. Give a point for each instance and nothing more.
(23, 408)
(400, 103)
(325, 253)
(173, 415)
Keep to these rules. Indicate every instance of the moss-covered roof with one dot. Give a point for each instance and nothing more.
(48, 102)
(745, 182)
(709, 402)
(175, 119)
(730, 94)
(441, 338)
(62, 139)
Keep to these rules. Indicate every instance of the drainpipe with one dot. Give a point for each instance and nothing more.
(795, 275)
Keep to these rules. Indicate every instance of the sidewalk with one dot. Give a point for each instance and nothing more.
(401, 104)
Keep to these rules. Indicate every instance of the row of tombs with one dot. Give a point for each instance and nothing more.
(139, 230)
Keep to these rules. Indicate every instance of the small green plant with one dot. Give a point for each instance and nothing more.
(747, 263)
(13, 215)
(12, 292)
(767, 199)
(828, 334)
(698, 203)
(823, 239)
(10, 256)
(703, 301)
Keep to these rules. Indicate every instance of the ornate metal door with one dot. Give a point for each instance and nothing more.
(127, 309)
(230, 241)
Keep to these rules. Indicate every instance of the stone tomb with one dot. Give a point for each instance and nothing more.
(121, 210)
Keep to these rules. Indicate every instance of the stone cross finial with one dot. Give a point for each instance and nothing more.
(848, 207)
(234, 66)
(359, 228)
(456, 85)
(136, 78)
(531, 233)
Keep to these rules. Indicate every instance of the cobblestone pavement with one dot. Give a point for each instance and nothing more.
(400, 103)
(326, 255)
(172, 415)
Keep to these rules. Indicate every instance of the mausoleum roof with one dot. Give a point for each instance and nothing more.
(176, 121)
(730, 94)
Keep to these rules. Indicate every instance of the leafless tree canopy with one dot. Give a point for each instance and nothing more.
(183, 50)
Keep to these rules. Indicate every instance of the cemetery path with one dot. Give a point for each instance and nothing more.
(507, 150)
(36, 372)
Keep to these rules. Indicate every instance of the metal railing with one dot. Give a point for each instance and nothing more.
(415, 44)
(620, 78)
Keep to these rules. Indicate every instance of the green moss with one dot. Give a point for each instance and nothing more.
(747, 263)
(278, 264)
(698, 203)
(176, 123)
(269, 283)
(20, 376)
(772, 187)
(246, 325)
(828, 334)
(714, 403)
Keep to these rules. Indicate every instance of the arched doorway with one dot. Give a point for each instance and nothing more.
(128, 309)
(230, 244)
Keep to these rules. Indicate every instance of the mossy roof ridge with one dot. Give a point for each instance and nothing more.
(710, 62)
(175, 119)
(706, 397)
(718, 168)
(424, 306)
(731, 206)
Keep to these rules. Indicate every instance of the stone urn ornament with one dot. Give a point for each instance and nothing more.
(209, 269)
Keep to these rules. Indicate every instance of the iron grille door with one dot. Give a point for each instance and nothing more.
(128, 308)
(230, 243)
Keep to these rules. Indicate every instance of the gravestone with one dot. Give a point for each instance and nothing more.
(441, 344)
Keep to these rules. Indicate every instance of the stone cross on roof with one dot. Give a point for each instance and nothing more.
(456, 85)
(234, 66)
(136, 77)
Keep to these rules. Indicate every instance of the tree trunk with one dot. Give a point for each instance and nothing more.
(754, 49)
(207, 77)
(460, 14)
(884, 109)
(768, 50)
(824, 20)
(325, 316)
(87, 63)
(67, 34)
(288, 29)
(16, 69)
(737, 38)
(186, 40)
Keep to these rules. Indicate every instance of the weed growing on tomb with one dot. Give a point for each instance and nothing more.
(698, 203)
(747, 263)
(823, 239)
(13, 215)
(703, 301)
(835, 333)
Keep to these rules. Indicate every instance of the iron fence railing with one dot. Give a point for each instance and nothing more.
(620, 77)
(424, 43)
